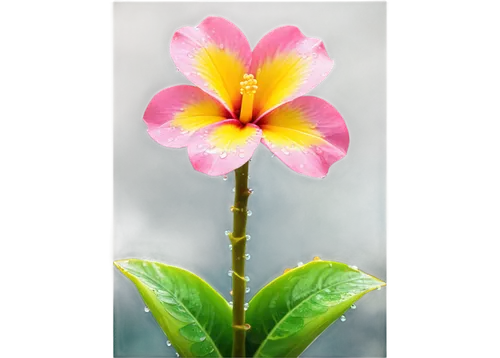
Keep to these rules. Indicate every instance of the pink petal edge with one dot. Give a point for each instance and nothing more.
(212, 30)
(163, 107)
(316, 160)
(289, 39)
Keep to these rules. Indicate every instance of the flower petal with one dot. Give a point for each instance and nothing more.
(223, 147)
(176, 112)
(287, 65)
(214, 56)
(307, 134)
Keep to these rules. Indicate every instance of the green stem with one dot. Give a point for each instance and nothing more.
(238, 240)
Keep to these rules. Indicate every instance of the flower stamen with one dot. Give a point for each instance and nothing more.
(248, 89)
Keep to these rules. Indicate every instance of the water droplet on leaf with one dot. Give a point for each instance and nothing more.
(249, 212)
(202, 338)
(300, 263)
(247, 289)
(245, 306)
(231, 303)
(342, 318)
(169, 343)
(353, 306)
(146, 309)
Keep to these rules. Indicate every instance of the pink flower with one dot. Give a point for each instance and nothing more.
(244, 97)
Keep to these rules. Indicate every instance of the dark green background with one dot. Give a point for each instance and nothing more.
(166, 211)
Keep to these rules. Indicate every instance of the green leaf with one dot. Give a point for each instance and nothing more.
(195, 318)
(291, 312)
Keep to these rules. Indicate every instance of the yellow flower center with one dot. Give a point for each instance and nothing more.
(247, 90)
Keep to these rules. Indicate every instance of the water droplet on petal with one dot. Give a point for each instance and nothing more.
(301, 166)
(221, 46)
(248, 237)
(249, 212)
(245, 306)
(300, 263)
(146, 309)
(353, 306)
(230, 273)
(224, 177)
(241, 155)
(169, 343)
(247, 278)
(342, 318)
(247, 289)
(324, 74)
(285, 151)
(190, 55)
(247, 257)
(315, 54)
(222, 156)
